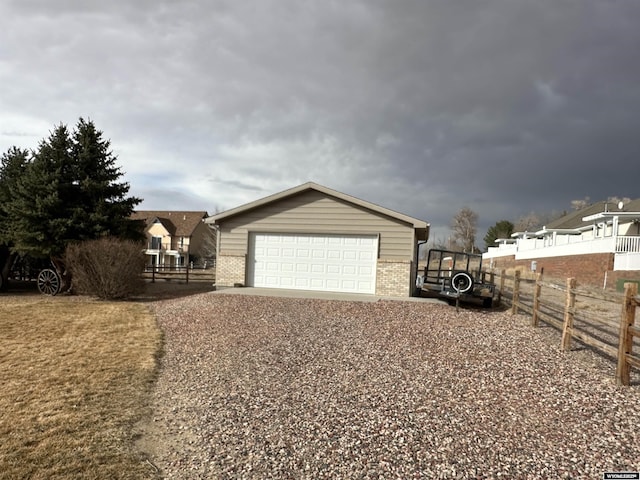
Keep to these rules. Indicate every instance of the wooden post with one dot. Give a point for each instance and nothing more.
(625, 345)
(516, 293)
(503, 273)
(153, 273)
(536, 300)
(569, 314)
(187, 267)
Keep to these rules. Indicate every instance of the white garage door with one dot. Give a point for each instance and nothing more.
(333, 263)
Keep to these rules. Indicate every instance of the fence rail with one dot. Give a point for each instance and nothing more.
(168, 273)
(569, 309)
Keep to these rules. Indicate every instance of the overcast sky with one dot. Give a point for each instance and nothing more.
(424, 107)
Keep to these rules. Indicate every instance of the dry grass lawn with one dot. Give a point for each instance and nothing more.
(75, 376)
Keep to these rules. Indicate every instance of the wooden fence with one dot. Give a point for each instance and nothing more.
(186, 274)
(604, 321)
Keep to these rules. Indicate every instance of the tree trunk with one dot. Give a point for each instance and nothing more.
(6, 260)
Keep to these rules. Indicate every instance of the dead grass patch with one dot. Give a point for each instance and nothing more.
(76, 375)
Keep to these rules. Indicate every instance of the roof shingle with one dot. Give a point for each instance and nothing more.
(178, 223)
(574, 219)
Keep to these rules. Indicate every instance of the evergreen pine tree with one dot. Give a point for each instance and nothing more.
(37, 214)
(12, 166)
(69, 191)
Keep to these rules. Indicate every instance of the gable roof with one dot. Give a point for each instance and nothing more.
(420, 225)
(177, 223)
(575, 220)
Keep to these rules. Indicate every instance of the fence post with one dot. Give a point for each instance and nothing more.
(187, 267)
(153, 273)
(536, 300)
(625, 345)
(503, 272)
(569, 313)
(516, 293)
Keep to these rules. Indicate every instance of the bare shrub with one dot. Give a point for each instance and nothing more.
(108, 268)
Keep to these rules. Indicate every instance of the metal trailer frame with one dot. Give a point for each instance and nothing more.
(456, 276)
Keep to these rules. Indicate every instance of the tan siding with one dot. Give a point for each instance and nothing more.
(202, 239)
(315, 212)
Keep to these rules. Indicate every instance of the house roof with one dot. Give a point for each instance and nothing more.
(421, 226)
(575, 220)
(177, 223)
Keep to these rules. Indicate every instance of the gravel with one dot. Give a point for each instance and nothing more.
(265, 387)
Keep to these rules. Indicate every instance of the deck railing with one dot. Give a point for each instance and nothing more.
(566, 245)
(628, 244)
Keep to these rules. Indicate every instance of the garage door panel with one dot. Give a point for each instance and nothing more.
(315, 262)
(349, 270)
(365, 270)
(333, 269)
(350, 255)
(349, 285)
(333, 284)
(365, 256)
(316, 284)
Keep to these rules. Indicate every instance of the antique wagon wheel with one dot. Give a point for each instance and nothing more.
(48, 282)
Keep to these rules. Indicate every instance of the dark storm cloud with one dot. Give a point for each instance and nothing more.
(505, 106)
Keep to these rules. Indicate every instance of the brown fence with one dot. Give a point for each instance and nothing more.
(601, 320)
(185, 274)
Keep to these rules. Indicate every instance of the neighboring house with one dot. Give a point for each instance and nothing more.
(598, 245)
(313, 238)
(177, 238)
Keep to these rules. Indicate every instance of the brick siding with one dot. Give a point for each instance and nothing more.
(393, 278)
(588, 269)
(230, 270)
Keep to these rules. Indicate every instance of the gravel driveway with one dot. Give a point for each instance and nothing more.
(266, 387)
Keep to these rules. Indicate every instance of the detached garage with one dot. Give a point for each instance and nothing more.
(313, 238)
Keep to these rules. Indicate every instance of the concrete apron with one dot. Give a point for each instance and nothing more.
(347, 297)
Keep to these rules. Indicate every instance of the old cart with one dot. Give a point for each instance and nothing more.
(456, 276)
(49, 275)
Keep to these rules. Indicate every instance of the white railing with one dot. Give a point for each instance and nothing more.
(527, 248)
(594, 245)
(502, 250)
(627, 244)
